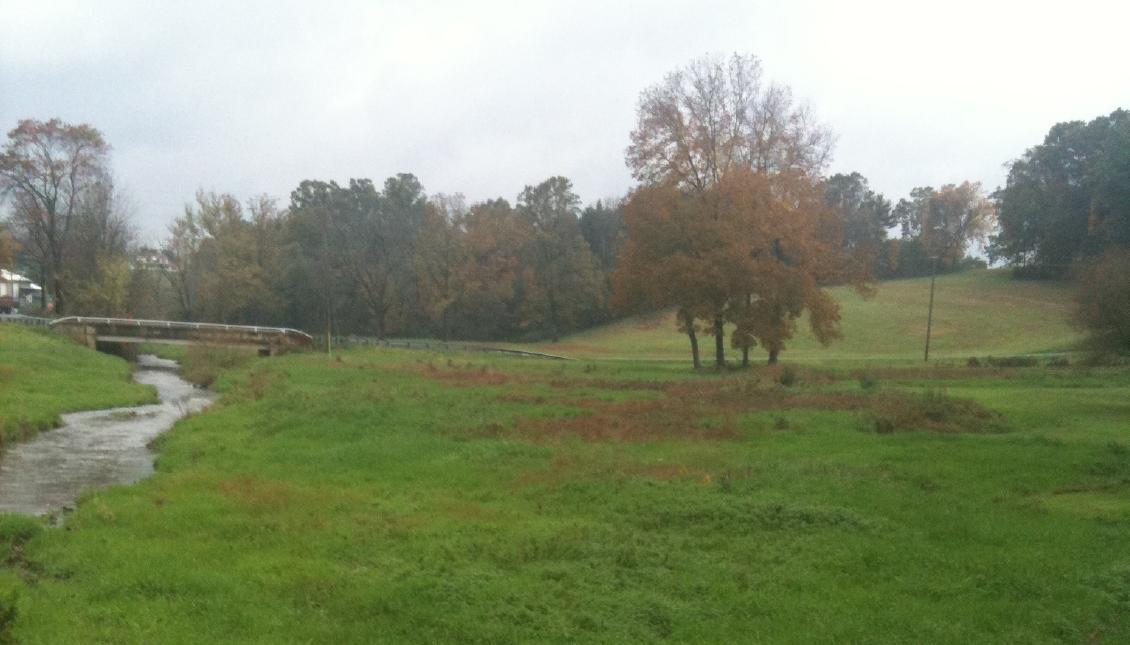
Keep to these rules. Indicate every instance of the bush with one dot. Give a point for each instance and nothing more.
(973, 362)
(935, 411)
(203, 363)
(868, 381)
(8, 604)
(1058, 361)
(788, 377)
(1103, 302)
(1013, 361)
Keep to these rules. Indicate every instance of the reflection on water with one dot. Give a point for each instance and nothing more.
(94, 449)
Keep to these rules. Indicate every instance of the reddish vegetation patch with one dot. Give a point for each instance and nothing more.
(632, 421)
(469, 377)
(706, 409)
(255, 492)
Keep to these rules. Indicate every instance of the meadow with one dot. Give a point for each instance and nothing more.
(386, 496)
(381, 495)
(975, 313)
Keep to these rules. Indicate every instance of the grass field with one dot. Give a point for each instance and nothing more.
(43, 374)
(390, 496)
(975, 313)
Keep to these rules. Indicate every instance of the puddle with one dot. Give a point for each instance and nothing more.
(95, 449)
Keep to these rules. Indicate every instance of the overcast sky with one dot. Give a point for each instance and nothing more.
(483, 98)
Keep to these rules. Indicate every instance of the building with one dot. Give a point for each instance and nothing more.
(16, 290)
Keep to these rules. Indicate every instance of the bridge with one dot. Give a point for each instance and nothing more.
(268, 340)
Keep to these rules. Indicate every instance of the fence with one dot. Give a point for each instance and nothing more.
(24, 320)
(430, 345)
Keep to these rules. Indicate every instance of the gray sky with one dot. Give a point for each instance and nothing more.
(483, 97)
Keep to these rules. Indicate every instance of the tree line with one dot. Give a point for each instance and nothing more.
(734, 225)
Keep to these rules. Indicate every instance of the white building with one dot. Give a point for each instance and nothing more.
(16, 290)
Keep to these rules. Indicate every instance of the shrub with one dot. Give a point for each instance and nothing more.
(1103, 302)
(788, 377)
(1013, 361)
(203, 363)
(1058, 361)
(868, 382)
(973, 362)
(935, 411)
(8, 605)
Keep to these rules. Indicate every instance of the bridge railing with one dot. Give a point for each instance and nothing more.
(25, 320)
(173, 324)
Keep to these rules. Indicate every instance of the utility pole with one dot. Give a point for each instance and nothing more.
(930, 314)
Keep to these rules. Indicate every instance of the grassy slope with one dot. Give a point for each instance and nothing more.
(43, 374)
(388, 496)
(976, 313)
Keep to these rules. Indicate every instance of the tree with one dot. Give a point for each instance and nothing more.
(7, 248)
(224, 262)
(494, 239)
(602, 226)
(866, 216)
(182, 250)
(704, 123)
(47, 169)
(96, 266)
(440, 258)
(946, 220)
(563, 285)
(1067, 198)
(664, 260)
(1103, 301)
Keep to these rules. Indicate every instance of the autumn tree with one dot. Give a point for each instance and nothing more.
(704, 130)
(490, 302)
(947, 220)
(664, 260)
(7, 248)
(47, 168)
(791, 244)
(223, 262)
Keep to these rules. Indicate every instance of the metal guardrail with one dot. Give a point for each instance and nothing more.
(172, 324)
(25, 320)
(434, 345)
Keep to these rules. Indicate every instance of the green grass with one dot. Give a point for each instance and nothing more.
(43, 374)
(978, 313)
(392, 496)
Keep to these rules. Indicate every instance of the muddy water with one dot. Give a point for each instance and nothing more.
(95, 449)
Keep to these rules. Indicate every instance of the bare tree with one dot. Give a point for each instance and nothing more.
(714, 115)
(47, 169)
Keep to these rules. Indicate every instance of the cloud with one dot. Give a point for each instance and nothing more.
(483, 98)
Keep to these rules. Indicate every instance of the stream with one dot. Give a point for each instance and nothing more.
(97, 448)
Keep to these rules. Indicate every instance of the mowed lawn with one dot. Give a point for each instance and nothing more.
(975, 314)
(394, 496)
(43, 374)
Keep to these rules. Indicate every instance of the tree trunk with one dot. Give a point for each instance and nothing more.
(745, 357)
(773, 356)
(719, 343)
(694, 347)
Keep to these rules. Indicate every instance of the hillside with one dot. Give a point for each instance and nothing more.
(978, 313)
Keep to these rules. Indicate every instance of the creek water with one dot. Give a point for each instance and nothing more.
(97, 448)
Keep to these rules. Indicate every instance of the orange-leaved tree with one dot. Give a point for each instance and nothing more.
(729, 223)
